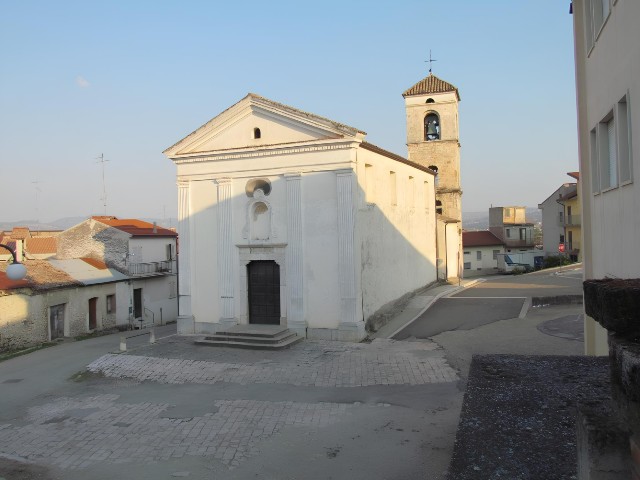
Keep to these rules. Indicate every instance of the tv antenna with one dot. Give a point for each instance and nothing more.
(102, 160)
(431, 60)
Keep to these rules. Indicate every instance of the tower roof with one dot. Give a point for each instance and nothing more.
(431, 84)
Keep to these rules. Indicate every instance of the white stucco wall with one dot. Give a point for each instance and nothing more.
(151, 249)
(397, 229)
(486, 265)
(159, 298)
(610, 224)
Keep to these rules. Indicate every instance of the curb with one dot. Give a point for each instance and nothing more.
(446, 293)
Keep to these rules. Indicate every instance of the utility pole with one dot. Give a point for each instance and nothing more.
(102, 160)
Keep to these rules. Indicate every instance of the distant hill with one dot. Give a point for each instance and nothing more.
(480, 220)
(67, 222)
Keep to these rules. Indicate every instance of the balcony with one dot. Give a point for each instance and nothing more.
(151, 268)
(512, 242)
(570, 220)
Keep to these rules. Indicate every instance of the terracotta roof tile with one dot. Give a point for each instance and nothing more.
(137, 228)
(41, 275)
(575, 175)
(40, 245)
(99, 264)
(431, 84)
(20, 233)
(482, 238)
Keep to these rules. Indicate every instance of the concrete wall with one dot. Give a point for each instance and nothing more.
(610, 215)
(159, 298)
(397, 230)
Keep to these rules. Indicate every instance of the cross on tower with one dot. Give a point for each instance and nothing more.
(431, 60)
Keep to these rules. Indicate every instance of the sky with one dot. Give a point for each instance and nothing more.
(127, 79)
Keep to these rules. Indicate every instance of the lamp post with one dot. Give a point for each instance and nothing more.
(15, 271)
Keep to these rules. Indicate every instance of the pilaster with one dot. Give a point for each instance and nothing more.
(185, 315)
(294, 256)
(351, 328)
(225, 253)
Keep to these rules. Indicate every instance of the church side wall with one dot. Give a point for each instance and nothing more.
(397, 230)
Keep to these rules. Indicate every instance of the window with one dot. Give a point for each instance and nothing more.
(173, 291)
(111, 304)
(256, 133)
(427, 198)
(495, 254)
(431, 127)
(467, 265)
(439, 207)
(624, 141)
(393, 188)
(430, 100)
(596, 12)
(523, 234)
(561, 238)
(479, 255)
(508, 232)
(467, 253)
(169, 251)
(369, 181)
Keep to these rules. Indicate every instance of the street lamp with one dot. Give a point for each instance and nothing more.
(15, 271)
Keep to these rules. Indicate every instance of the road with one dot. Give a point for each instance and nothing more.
(491, 300)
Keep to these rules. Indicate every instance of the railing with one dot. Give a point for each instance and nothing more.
(569, 220)
(150, 268)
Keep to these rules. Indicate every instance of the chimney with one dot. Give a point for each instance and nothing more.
(19, 250)
(155, 228)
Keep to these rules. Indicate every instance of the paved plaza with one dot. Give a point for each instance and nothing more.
(158, 406)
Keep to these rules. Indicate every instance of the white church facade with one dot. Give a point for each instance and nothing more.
(289, 218)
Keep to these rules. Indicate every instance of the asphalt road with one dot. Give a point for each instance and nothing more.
(453, 313)
(496, 298)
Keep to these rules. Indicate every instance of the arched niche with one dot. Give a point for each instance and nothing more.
(431, 126)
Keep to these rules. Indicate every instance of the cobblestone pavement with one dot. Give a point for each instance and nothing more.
(320, 364)
(96, 428)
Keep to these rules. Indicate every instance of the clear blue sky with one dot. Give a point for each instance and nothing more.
(128, 79)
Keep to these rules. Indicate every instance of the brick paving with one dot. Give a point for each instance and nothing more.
(93, 429)
(347, 365)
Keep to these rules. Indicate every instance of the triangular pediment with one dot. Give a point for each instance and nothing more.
(272, 123)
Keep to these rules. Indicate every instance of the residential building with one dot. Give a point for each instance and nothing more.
(107, 273)
(433, 141)
(510, 225)
(289, 218)
(481, 250)
(553, 234)
(142, 251)
(608, 88)
(571, 220)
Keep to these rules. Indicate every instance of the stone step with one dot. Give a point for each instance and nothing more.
(254, 330)
(224, 337)
(236, 343)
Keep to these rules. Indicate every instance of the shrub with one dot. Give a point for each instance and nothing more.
(556, 261)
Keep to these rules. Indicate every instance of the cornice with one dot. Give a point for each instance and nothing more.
(265, 153)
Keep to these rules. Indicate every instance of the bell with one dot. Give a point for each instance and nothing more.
(431, 130)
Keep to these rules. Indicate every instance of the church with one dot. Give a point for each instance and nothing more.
(289, 218)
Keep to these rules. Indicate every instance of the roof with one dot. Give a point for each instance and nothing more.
(373, 148)
(258, 100)
(20, 233)
(431, 84)
(40, 245)
(88, 271)
(481, 238)
(41, 275)
(575, 175)
(134, 227)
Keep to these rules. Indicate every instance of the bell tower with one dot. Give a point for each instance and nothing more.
(432, 140)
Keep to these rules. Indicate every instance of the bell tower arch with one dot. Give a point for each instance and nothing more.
(431, 107)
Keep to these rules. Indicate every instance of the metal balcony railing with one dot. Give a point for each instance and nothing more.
(151, 268)
(513, 242)
(570, 220)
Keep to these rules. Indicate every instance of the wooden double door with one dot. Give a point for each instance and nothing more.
(264, 292)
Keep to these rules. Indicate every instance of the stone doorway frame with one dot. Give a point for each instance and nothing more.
(249, 253)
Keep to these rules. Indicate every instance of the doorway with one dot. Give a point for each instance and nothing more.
(137, 303)
(264, 292)
(93, 313)
(56, 321)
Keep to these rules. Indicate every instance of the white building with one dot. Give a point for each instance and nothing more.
(481, 250)
(607, 59)
(289, 218)
(553, 219)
